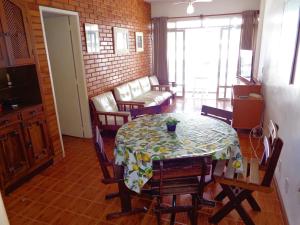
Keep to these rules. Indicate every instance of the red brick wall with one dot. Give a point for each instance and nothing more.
(104, 70)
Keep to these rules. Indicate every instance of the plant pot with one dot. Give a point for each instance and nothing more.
(171, 128)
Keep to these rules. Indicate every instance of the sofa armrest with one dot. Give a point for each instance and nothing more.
(160, 87)
(124, 115)
(127, 105)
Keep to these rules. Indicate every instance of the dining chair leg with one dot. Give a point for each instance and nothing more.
(253, 203)
(112, 195)
(173, 215)
(234, 203)
(194, 211)
(158, 214)
(220, 196)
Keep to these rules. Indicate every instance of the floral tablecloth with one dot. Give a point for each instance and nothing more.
(146, 138)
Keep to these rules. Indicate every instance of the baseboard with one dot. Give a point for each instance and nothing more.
(284, 214)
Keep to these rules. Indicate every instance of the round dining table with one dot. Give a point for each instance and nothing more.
(146, 138)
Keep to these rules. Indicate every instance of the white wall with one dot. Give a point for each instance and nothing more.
(168, 9)
(3, 216)
(282, 100)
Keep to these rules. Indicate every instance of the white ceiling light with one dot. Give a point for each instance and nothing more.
(190, 9)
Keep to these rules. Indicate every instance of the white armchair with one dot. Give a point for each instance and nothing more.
(155, 86)
(105, 112)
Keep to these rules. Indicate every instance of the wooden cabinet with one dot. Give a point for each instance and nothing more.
(247, 106)
(13, 155)
(24, 145)
(15, 42)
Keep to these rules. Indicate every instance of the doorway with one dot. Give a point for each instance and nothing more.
(63, 46)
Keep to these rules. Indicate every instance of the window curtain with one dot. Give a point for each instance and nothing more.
(160, 60)
(248, 31)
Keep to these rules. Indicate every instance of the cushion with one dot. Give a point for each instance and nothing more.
(105, 102)
(145, 84)
(153, 80)
(157, 96)
(111, 120)
(123, 93)
(135, 88)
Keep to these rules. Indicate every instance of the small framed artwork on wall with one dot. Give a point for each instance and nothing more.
(296, 61)
(92, 38)
(121, 40)
(139, 41)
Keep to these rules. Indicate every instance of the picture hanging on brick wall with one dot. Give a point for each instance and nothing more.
(92, 38)
(139, 41)
(121, 40)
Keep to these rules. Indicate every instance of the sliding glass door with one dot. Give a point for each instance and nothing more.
(176, 65)
(203, 56)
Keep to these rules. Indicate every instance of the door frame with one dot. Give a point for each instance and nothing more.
(79, 67)
(175, 30)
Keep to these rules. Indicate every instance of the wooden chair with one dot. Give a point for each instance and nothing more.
(247, 182)
(180, 176)
(216, 113)
(104, 162)
(145, 111)
(273, 134)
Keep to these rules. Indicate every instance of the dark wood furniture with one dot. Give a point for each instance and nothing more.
(247, 106)
(157, 109)
(180, 176)
(24, 145)
(113, 174)
(247, 182)
(114, 126)
(216, 113)
(104, 162)
(273, 134)
(15, 42)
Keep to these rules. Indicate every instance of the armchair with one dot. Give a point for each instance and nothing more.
(155, 86)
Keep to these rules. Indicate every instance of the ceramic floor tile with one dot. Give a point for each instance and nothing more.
(71, 193)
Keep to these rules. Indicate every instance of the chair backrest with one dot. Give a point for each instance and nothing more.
(151, 110)
(216, 113)
(273, 131)
(153, 80)
(273, 151)
(101, 155)
(273, 134)
(178, 168)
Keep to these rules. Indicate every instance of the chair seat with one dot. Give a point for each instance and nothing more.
(225, 174)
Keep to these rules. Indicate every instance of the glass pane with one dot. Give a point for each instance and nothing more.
(179, 57)
(171, 56)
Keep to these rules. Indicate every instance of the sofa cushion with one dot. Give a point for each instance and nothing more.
(123, 93)
(153, 80)
(157, 96)
(135, 88)
(105, 102)
(145, 84)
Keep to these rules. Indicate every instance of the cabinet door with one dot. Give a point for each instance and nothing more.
(17, 38)
(3, 51)
(12, 153)
(37, 140)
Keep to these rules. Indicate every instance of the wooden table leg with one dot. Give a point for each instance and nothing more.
(125, 198)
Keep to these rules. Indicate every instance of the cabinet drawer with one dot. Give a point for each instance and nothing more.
(31, 112)
(9, 119)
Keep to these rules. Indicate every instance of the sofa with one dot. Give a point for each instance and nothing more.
(112, 111)
(141, 91)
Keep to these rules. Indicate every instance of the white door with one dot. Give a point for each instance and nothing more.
(59, 43)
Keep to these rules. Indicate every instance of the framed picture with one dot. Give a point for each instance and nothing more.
(92, 38)
(296, 61)
(121, 40)
(139, 41)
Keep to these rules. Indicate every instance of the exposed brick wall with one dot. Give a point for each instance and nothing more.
(104, 70)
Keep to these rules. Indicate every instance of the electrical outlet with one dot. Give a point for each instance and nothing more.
(286, 185)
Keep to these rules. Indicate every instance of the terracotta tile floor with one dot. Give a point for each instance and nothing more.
(71, 192)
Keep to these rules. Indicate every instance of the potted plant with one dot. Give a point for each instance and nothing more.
(171, 123)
